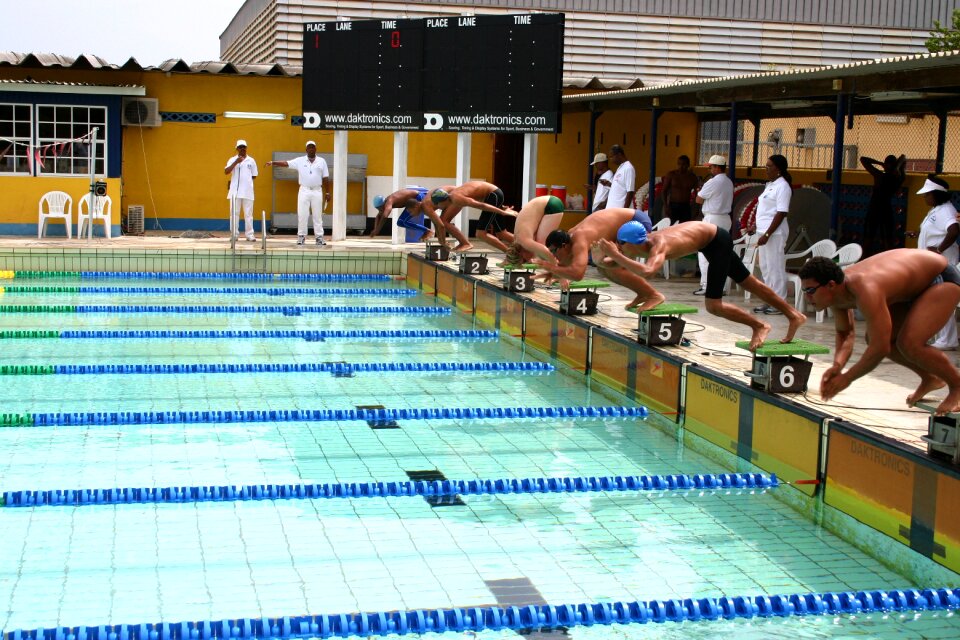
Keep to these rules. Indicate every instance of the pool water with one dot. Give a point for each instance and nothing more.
(133, 563)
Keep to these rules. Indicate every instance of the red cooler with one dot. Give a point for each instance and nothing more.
(560, 191)
(541, 190)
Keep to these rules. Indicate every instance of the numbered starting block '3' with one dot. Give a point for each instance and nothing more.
(776, 367)
(662, 325)
(942, 435)
(437, 251)
(581, 298)
(473, 264)
(519, 278)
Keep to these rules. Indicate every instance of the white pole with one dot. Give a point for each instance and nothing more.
(400, 146)
(340, 151)
(529, 166)
(464, 141)
(93, 179)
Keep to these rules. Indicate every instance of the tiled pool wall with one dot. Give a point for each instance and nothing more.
(903, 496)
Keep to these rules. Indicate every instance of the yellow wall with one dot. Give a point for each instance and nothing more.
(20, 196)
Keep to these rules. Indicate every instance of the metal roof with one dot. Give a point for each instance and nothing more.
(174, 65)
(49, 86)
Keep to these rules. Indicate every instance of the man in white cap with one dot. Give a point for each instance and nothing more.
(603, 175)
(716, 200)
(242, 170)
(314, 179)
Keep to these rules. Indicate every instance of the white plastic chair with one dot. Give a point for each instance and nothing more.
(59, 205)
(845, 256)
(102, 208)
(822, 249)
(749, 252)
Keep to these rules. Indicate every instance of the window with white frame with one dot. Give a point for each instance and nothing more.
(63, 140)
(15, 135)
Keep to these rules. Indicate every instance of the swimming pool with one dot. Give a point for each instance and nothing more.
(250, 559)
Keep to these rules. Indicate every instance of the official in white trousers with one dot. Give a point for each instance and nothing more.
(716, 201)
(772, 209)
(314, 177)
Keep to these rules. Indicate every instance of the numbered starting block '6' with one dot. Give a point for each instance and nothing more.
(662, 325)
(519, 278)
(473, 264)
(776, 367)
(942, 435)
(581, 299)
(437, 251)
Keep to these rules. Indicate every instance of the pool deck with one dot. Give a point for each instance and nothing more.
(875, 402)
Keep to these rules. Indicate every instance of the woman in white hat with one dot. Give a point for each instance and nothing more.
(938, 233)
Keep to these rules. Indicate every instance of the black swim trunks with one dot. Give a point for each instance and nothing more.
(950, 274)
(724, 263)
(491, 222)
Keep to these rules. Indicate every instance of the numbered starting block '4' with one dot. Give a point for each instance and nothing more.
(437, 251)
(473, 264)
(942, 431)
(581, 298)
(662, 325)
(519, 278)
(776, 367)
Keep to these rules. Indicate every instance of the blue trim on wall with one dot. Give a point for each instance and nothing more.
(55, 229)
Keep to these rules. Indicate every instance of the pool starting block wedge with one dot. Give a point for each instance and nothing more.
(942, 435)
(519, 278)
(776, 367)
(581, 298)
(436, 251)
(473, 263)
(663, 325)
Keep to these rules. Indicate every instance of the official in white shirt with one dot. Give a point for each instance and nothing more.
(772, 208)
(314, 179)
(242, 170)
(716, 200)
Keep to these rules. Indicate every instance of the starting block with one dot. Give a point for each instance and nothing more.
(519, 278)
(776, 367)
(473, 263)
(941, 435)
(437, 251)
(581, 298)
(663, 324)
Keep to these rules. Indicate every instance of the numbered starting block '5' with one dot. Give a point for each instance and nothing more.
(581, 298)
(519, 278)
(942, 431)
(473, 263)
(663, 324)
(776, 367)
(437, 251)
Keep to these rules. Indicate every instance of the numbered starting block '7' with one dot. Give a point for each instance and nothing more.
(942, 431)
(473, 263)
(437, 251)
(519, 278)
(776, 367)
(663, 324)
(581, 298)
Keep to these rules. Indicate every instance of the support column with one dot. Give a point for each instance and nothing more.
(941, 140)
(529, 167)
(463, 175)
(400, 146)
(756, 140)
(652, 177)
(732, 152)
(340, 150)
(837, 165)
(592, 141)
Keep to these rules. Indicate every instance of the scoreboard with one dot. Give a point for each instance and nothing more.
(499, 74)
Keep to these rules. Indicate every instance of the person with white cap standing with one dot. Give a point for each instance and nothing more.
(716, 200)
(314, 177)
(242, 170)
(602, 175)
(938, 233)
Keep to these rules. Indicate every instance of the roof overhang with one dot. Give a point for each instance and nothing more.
(31, 86)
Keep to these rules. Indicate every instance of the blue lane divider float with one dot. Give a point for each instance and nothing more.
(476, 619)
(327, 415)
(235, 308)
(380, 292)
(303, 367)
(406, 488)
(310, 335)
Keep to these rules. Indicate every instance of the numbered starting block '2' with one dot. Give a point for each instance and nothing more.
(942, 431)
(776, 367)
(519, 278)
(662, 325)
(581, 298)
(473, 264)
(437, 251)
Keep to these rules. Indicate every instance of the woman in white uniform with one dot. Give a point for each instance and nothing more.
(938, 233)
(772, 208)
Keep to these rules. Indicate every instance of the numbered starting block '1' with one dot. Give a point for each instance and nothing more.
(776, 367)
(581, 298)
(663, 324)
(437, 251)
(519, 278)
(473, 264)
(942, 435)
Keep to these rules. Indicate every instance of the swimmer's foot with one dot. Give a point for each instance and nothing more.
(927, 384)
(950, 404)
(426, 236)
(796, 320)
(645, 304)
(463, 246)
(759, 335)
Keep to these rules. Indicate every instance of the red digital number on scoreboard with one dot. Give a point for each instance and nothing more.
(395, 40)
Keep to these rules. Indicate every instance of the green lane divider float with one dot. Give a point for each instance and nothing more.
(38, 308)
(14, 334)
(27, 370)
(16, 420)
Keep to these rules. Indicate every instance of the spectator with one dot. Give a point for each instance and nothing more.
(938, 233)
(623, 185)
(878, 224)
(772, 208)
(602, 176)
(716, 198)
(677, 187)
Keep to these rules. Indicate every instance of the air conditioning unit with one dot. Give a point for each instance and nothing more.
(140, 112)
(133, 223)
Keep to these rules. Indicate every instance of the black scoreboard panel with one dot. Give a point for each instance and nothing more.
(458, 73)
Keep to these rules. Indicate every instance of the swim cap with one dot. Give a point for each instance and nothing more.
(378, 201)
(554, 205)
(632, 232)
(438, 196)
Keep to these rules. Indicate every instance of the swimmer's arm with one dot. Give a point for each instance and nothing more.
(879, 329)
(483, 206)
(574, 271)
(647, 269)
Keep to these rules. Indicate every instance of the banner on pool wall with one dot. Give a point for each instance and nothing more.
(642, 374)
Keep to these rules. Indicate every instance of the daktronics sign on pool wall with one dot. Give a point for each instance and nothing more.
(494, 74)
